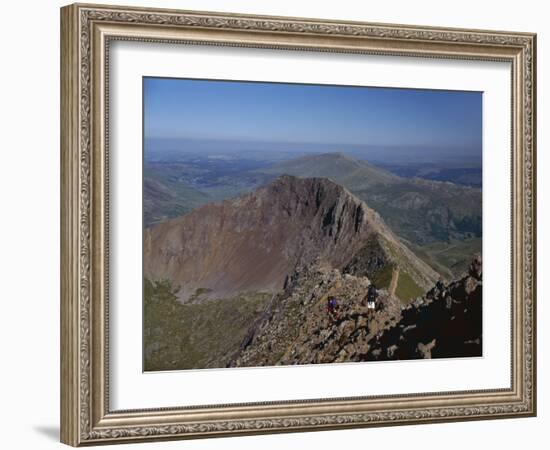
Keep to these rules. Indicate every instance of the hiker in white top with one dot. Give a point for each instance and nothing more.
(371, 298)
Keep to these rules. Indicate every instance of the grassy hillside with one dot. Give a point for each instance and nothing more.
(406, 290)
(450, 259)
(164, 198)
(200, 335)
(425, 212)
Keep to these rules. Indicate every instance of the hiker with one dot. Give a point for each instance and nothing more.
(371, 298)
(332, 308)
(440, 286)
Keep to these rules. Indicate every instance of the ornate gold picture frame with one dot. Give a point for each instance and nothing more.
(87, 31)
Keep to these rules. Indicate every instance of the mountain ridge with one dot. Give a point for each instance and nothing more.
(338, 166)
(253, 242)
(421, 212)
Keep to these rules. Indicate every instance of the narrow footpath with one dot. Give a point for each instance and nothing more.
(393, 282)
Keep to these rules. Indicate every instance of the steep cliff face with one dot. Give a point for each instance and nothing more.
(296, 327)
(419, 210)
(252, 243)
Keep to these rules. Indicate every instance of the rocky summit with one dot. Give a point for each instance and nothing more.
(253, 243)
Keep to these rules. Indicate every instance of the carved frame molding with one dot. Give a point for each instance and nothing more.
(86, 31)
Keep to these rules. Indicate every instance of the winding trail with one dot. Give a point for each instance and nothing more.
(393, 282)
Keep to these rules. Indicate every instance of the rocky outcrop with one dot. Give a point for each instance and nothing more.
(297, 329)
(445, 323)
(253, 242)
(369, 260)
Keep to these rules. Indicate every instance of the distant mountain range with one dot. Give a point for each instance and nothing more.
(462, 174)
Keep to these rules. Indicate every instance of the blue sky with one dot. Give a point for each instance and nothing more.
(281, 112)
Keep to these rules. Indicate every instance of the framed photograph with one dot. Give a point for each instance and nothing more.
(275, 224)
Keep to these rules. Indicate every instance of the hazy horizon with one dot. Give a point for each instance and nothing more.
(173, 148)
(381, 124)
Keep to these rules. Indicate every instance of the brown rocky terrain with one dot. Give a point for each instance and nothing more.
(254, 242)
(297, 329)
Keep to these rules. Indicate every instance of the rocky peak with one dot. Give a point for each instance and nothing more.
(253, 242)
